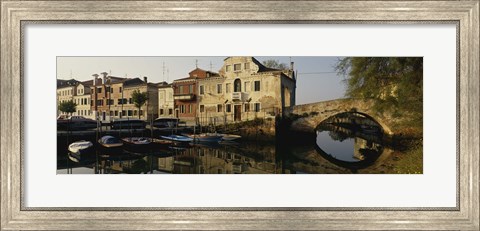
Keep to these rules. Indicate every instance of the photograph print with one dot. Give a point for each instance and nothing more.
(239, 115)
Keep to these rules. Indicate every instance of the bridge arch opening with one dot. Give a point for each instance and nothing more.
(352, 140)
(354, 118)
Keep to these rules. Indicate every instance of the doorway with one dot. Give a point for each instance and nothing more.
(237, 110)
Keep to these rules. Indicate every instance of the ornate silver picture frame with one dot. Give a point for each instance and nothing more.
(15, 14)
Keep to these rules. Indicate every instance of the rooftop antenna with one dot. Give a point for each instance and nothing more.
(211, 66)
(163, 70)
(168, 74)
(196, 63)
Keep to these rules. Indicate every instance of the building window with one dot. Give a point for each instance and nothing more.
(219, 108)
(120, 89)
(182, 108)
(130, 113)
(130, 101)
(107, 89)
(180, 89)
(116, 113)
(170, 111)
(99, 102)
(99, 90)
(202, 108)
(237, 85)
(219, 88)
(135, 112)
(141, 112)
(227, 68)
(237, 67)
(257, 107)
(247, 66)
(257, 85)
(247, 86)
(123, 113)
(246, 107)
(202, 90)
(190, 89)
(228, 108)
(122, 101)
(161, 111)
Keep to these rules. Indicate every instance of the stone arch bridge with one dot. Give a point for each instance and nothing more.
(311, 115)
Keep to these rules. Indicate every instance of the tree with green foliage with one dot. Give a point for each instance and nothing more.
(139, 99)
(275, 64)
(395, 83)
(68, 107)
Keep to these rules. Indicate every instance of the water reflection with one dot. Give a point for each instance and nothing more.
(351, 146)
(211, 158)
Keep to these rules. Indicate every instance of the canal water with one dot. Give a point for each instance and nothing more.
(335, 148)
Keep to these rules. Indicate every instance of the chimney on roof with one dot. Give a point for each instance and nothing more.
(95, 76)
(291, 66)
(145, 79)
(104, 75)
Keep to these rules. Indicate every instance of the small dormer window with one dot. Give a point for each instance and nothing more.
(237, 67)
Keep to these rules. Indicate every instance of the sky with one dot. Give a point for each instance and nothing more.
(317, 79)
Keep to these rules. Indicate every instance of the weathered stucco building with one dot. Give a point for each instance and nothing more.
(113, 98)
(243, 90)
(83, 99)
(66, 90)
(165, 100)
(185, 94)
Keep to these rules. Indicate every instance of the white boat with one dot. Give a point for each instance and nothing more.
(80, 146)
(110, 142)
(230, 137)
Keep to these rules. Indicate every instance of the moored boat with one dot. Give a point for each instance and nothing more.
(80, 150)
(162, 143)
(230, 137)
(139, 145)
(110, 142)
(137, 141)
(205, 137)
(177, 138)
(81, 146)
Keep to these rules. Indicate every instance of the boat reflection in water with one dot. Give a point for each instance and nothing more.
(208, 158)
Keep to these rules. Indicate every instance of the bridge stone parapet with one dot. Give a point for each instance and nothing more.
(311, 115)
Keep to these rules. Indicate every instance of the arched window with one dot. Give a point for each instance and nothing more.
(237, 85)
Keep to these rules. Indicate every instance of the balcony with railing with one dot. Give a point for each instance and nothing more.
(184, 97)
(239, 96)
